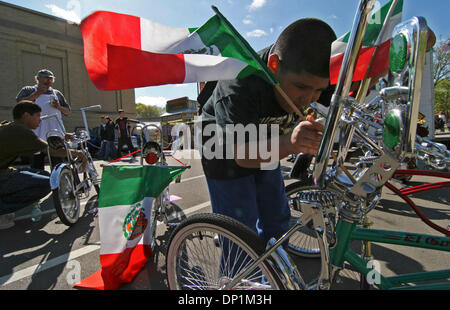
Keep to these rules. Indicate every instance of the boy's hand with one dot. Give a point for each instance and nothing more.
(306, 137)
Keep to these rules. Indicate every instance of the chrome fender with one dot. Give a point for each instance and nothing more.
(285, 268)
(54, 176)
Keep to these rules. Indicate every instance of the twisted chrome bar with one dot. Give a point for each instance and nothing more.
(347, 132)
(419, 36)
(83, 113)
(433, 155)
(342, 89)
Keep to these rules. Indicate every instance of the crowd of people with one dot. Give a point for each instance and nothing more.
(26, 137)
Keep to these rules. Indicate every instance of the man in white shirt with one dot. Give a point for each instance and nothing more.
(51, 101)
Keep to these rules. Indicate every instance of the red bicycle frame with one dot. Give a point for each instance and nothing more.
(403, 193)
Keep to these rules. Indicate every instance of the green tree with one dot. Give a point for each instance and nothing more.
(441, 76)
(442, 96)
(147, 111)
(441, 61)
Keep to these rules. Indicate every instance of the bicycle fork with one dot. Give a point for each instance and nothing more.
(366, 252)
(279, 260)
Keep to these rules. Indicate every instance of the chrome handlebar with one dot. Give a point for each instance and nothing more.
(342, 89)
(55, 116)
(83, 113)
(83, 136)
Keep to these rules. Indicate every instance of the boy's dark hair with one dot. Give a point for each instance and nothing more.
(305, 45)
(23, 107)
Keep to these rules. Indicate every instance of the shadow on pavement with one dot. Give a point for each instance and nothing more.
(38, 243)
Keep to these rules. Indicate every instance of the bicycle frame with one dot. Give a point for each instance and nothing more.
(348, 232)
(61, 133)
(403, 193)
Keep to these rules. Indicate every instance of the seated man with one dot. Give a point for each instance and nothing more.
(21, 187)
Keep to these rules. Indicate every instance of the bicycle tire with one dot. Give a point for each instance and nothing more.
(303, 242)
(97, 189)
(154, 219)
(93, 175)
(207, 267)
(66, 203)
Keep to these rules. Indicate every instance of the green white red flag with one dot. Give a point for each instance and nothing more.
(124, 51)
(127, 195)
(381, 61)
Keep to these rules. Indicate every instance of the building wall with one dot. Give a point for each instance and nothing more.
(30, 41)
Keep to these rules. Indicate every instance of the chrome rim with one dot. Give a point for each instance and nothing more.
(208, 258)
(67, 198)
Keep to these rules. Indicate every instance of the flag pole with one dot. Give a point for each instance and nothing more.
(269, 75)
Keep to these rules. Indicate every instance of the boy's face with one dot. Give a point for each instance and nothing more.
(121, 114)
(32, 121)
(303, 89)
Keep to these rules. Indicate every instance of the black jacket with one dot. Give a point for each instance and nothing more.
(107, 131)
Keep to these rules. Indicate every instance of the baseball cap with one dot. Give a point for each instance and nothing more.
(45, 73)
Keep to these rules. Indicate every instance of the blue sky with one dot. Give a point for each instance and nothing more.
(259, 21)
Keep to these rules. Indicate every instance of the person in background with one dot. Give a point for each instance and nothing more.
(310, 114)
(107, 149)
(22, 187)
(51, 101)
(443, 121)
(123, 133)
(448, 119)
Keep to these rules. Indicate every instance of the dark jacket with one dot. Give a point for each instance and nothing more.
(107, 131)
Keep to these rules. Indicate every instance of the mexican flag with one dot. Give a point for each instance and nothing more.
(124, 51)
(381, 61)
(124, 213)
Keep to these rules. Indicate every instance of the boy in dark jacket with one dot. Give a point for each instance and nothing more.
(123, 132)
(107, 149)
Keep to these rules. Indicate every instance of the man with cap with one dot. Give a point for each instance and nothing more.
(123, 133)
(51, 101)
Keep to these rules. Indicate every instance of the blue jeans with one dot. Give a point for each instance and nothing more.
(21, 188)
(107, 150)
(258, 201)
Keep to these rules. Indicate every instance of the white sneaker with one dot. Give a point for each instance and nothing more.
(7, 221)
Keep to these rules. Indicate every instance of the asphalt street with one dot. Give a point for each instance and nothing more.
(48, 255)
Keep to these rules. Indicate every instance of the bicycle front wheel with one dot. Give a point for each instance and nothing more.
(304, 242)
(207, 251)
(66, 202)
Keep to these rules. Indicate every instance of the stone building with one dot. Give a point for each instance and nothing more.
(31, 40)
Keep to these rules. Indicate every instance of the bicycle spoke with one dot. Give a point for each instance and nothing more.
(210, 260)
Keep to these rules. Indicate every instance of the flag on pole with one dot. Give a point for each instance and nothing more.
(124, 213)
(381, 61)
(124, 51)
